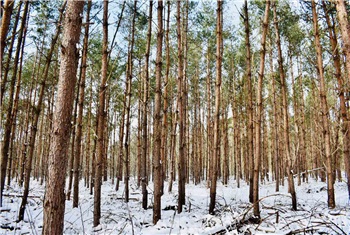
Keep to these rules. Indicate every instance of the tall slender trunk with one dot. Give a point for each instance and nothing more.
(298, 158)
(157, 161)
(324, 109)
(285, 114)
(250, 101)
(37, 111)
(209, 119)
(121, 149)
(101, 119)
(275, 125)
(23, 152)
(181, 103)
(16, 101)
(185, 7)
(144, 114)
(164, 149)
(128, 104)
(10, 108)
(5, 70)
(5, 24)
(174, 124)
(344, 27)
(259, 112)
(78, 137)
(216, 144)
(54, 202)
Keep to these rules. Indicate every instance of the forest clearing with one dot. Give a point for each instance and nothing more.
(175, 117)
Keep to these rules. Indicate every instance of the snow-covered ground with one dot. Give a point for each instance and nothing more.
(233, 216)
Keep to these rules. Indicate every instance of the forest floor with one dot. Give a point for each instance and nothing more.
(233, 211)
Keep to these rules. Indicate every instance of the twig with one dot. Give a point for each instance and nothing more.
(252, 206)
(130, 217)
(172, 222)
(19, 195)
(81, 217)
(31, 221)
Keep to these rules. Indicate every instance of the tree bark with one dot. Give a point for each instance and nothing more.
(10, 108)
(54, 202)
(128, 105)
(216, 144)
(344, 29)
(79, 133)
(101, 119)
(6, 69)
(181, 103)
(250, 101)
(5, 24)
(285, 114)
(259, 112)
(144, 113)
(324, 109)
(157, 161)
(36, 113)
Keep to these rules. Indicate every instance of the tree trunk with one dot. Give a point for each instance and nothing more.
(164, 148)
(250, 100)
(54, 202)
(181, 103)
(157, 161)
(128, 104)
(344, 27)
(36, 113)
(9, 57)
(275, 126)
(324, 109)
(5, 24)
(291, 187)
(144, 114)
(209, 119)
(216, 144)
(78, 136)
(10, 108)
(16, 101)
(259, 112)
(101, 119)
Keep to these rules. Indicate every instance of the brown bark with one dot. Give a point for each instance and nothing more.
(11, 110)
(78, 137)
(16, 102)
(226, 168)
(174, 123)
(298, 157)
(5, 24)
(164, 149)
(259, 110)
(186, 141)
(144, 114)
(101, 119)
(275, 126)
(291, 187)
(36, 113)
(181, 103)
(250, 100)
(5, 70)
(209, 119)
(345, 28)
(216, 144)
(128, 105)
(324, 109)
(54, 202)
(157, 161)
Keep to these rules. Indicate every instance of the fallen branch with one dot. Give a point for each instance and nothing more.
(20, 195)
